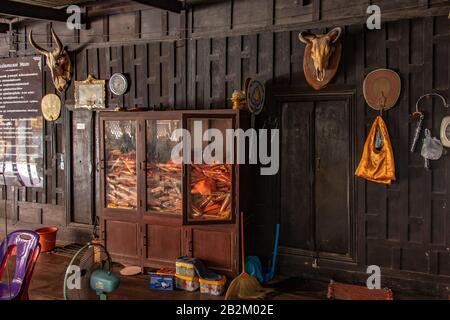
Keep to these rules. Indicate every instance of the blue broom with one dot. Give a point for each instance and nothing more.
(269, 275)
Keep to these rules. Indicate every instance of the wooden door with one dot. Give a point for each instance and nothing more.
(331, 186)
(297, 173)
(316, 180)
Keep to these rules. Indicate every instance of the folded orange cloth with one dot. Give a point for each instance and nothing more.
(377, 165)
(204, 187)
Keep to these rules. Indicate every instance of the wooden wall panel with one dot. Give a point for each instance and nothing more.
(403, 227)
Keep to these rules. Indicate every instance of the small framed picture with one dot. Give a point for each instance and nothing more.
(90, 94)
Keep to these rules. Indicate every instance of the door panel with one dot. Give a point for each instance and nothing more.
(215, 248)
(122, 241)
(296, 175)
(163, 243)
(82, 170)
(331, 176)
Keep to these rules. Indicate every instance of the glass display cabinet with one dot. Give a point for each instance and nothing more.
(209, 188)
(153, 209)
(163, 177)
(120, 164)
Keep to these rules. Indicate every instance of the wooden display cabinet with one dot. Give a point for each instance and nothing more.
(154, 211)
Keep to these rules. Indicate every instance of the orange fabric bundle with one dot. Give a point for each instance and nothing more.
(204, 187)
(377, 165)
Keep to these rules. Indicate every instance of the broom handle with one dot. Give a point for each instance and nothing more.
(242, 242)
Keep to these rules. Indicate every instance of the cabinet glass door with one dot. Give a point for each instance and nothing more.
(120, 164)
(163, 176)
(209, 176)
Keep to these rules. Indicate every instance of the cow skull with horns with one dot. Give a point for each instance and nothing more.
(322, 56)
(58, 61)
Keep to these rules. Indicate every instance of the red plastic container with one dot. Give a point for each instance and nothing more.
(47, 238)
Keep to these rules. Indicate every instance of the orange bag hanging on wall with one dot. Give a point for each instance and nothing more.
(377, 165)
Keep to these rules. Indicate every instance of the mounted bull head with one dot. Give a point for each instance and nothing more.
(58, 61)
(322, 56)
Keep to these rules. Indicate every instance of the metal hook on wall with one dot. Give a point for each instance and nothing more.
(420, 116)
(427, 96)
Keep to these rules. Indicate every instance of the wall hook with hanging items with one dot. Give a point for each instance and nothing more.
(381, 90)
(420, 116)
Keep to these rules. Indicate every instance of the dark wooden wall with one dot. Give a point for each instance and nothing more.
(196, 60)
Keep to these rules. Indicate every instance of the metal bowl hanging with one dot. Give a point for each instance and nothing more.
(381, 89)
(51, 107)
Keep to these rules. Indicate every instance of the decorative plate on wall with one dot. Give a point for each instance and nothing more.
(381, 89)
(256, 96)
(51, 107)
(445, 132)
(118, 84)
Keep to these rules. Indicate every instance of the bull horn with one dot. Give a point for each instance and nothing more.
(306, 37)
(59, 46)
(336, 37)
(36, 46)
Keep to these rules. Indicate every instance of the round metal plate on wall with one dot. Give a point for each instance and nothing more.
(118, 84)
(381, 89)
(256, 96)
(445, 132)
(51, 107)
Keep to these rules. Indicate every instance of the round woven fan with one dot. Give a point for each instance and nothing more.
(382, 89)
(51, 107)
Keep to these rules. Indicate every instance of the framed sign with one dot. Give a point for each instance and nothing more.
(21, 122)
(90, 94)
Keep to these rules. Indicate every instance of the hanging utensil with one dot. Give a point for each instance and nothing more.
(420, 116)
(418, 130)
(432, 149)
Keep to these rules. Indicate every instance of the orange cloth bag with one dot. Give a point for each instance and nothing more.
(377, 165)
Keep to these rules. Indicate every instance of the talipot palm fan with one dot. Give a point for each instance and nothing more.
(89, 274)
(245, 286)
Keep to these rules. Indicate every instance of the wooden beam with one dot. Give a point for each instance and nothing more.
(202, 2)
(18, 9)
(169, 5)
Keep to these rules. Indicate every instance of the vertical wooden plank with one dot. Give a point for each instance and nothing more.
(192, 74)
(316, 10)
(172, 78)
(282, 64)
(165, 75)
(360, 114)
(428, 47)
(404, 134)
(181, 48)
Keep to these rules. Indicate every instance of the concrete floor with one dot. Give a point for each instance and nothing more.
(48, 277)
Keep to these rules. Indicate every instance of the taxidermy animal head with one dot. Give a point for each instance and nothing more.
(58, 61)
(322, 56)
